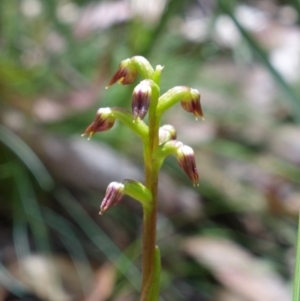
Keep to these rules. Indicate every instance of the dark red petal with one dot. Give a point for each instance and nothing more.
(114, 194)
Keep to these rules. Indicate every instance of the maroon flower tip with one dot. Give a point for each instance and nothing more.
(125, 74)
(102, 122)
(186, 160)
(114, 194)
(141, 100)
(192, 104)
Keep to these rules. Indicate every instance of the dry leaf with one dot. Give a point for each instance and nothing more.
(238, 270)
(104, 283)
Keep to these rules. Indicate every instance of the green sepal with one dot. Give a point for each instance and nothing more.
(166, 149)
(137, 126)
(139, 192)
(143, 66)
(171, 97)
(157, 74)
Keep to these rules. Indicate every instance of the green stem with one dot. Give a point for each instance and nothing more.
(149, 232)
(149, 278)
(138, 127)
(296, 287)
(149, 243)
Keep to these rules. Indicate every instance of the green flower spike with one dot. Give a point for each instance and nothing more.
(158, 143)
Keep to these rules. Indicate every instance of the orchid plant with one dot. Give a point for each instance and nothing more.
(158, 143)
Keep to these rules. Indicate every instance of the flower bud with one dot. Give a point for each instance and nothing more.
(192, 104)
(167, 132)
(184, 154)
(114, 194)
(126, 73)
(186, 160)
(141, 97)
(102, 122)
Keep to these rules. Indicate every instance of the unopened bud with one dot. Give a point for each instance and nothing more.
(186, 160)
(114, 194)
(102, 122)
(167, 132)
(141, 97)
(192, 104)
(125, 74)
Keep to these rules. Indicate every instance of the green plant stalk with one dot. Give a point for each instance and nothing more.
(149, 237)
(146, 99)
(296, 286)
(149, 277)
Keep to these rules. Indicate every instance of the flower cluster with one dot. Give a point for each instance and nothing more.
(146, 96)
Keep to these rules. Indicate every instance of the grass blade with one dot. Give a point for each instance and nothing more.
(292, 97)
(296, 287)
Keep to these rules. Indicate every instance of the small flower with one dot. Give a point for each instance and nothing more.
(102, 122)
(192, 104)
(184, 154)
(125, 74)
(186, 160)
(141, 97)
(114, 194)
(167, 132)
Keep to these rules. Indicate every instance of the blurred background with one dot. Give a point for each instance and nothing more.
(230, 239)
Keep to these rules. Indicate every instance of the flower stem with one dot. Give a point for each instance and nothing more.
(149, 231)
(150, 279)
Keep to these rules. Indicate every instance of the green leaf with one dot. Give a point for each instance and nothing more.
(152, 291)
(156, 277)
(296, 287)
